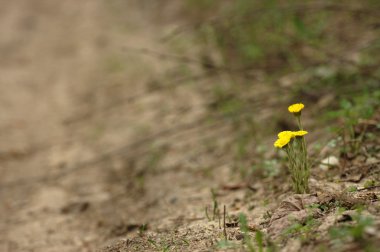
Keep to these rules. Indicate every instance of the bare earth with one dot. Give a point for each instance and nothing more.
(81, 119)
(67, 127)
(99, 142)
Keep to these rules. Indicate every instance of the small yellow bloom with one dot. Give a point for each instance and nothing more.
(299, 133)
(281, 142)
(296, 108)
(286, 134)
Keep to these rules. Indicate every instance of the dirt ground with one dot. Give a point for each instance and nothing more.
(99, 149)
(62, 60)
(80, 119)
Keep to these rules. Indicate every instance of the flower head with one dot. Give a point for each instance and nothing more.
(296, 108)
(281, 142)
(299, 133)
(286, 134)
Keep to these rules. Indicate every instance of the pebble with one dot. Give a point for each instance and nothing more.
(329, 162)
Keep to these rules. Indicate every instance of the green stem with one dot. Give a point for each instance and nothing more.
(299, 122)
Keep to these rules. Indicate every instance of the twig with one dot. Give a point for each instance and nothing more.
(224, 223)
(206, 213)
(219, 218)
(368, 188)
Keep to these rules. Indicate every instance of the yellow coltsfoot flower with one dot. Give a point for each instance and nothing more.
(284, 134)
(299, 133)
(296, 108)
(295, 147)
(281, 142)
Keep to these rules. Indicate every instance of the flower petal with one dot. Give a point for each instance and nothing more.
(296, 108)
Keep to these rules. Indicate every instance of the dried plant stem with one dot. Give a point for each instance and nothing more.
(224, 223)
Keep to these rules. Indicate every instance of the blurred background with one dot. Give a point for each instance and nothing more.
(120, 116)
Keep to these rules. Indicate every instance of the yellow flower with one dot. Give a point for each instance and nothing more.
(284, 134)
(296, 108)
(281, 142)
(299, 133)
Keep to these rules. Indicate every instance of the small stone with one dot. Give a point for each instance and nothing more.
(371, 160)
(371, 230)
(328, 162)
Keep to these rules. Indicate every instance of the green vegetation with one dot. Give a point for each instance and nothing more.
(304, 231)
(354, 231)
(247, 239)
(275, 41)
(362, 106)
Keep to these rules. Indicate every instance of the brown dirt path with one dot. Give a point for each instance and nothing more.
(61, 72)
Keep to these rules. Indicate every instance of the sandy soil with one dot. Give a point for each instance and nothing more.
(104, 147)
(76, 116)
